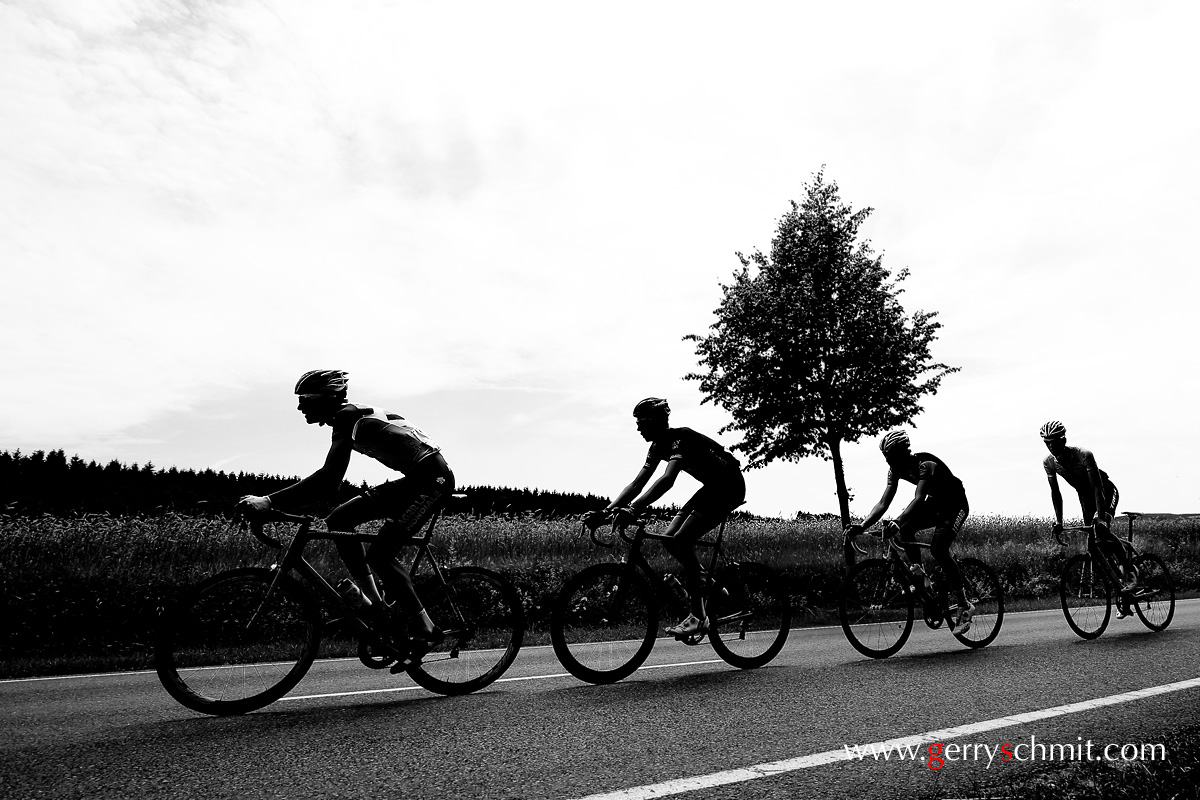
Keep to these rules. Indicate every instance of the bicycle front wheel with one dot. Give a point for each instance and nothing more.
(876, 610)
(1154, 597)
(604, 623)
(237, 641)
(749, 615)
(983, 590)
(1086, 600)
(481, 617)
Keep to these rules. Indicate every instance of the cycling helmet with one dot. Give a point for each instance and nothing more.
(330, 382)
(892, 440)
(1054, 430)
(651, 407)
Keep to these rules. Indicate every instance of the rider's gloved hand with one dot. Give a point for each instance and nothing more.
(891, 528)
(254, 503)
(1100, 521)
(594, 519)
(849, 548)
(625, 516)
(1057, 530)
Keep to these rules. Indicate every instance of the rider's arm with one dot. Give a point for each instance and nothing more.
(659, 488)
(881, 507)
(1093, 473)
(325, 481)
(1056, 498)
(631, 491)
(918, 497)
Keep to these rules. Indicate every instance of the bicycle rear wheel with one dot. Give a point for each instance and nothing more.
(604, 623)
(876, 610)
(1154, 597)
(749, 615)
(481, 617)
(1086, 600)
(234, 643)
(984, 591)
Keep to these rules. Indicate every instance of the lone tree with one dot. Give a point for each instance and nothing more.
(811, 347)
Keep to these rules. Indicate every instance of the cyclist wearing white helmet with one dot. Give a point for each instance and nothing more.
(939, 502)
(1097, 494)
(723, 490)
(406, 503)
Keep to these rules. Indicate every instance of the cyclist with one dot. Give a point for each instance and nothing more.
(723, 490)
(940, 502)
(1097, 496)
(406, 503)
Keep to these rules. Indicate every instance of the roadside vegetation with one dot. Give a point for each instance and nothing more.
(81, 594)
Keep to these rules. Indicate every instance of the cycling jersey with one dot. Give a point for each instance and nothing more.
(386, 437)
(943, 486)
(1073, 466)
(698, 455)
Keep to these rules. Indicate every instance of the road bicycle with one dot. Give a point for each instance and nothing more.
(879, 598)
(1090, 581)
(605, 619)
(244, 638)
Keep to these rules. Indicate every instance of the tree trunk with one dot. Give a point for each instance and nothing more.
(839, 477)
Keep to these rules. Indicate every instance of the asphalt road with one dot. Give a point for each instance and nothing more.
(346, 731)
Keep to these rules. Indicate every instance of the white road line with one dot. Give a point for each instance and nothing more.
(499, 680)
(682, 785)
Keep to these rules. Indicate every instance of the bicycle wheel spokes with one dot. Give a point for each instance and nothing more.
(983, 590)
(1154, 597)
(480, 615)
(234, 643)
(876, 611)
(1086, 601)
(603, 623)
(749, 616)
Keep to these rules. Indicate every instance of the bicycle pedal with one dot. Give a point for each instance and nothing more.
(690, 639)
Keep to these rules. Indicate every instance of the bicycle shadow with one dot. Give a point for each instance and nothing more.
(286, 713)
(649, 686)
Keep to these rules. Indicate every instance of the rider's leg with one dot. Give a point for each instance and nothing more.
(344, 519)
(944, 534)
(410, 502)
(1107, 541)
(939, 547)
(686, 529)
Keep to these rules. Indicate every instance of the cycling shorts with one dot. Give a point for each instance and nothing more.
(944, 518)
(407, 503)
(715, 500)
(1087, 501)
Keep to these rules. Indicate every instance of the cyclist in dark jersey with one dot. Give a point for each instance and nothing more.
(940, 502)
(406, 503)
(1097, 495)
(723, 490)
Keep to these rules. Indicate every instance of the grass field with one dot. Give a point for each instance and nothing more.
(83, 594)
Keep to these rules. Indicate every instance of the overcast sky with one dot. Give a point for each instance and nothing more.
(502, 218)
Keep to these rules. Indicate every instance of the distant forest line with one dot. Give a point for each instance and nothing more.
(52, 483)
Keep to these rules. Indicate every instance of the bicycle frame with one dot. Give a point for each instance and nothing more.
(293, 559)
(927, 594)
(897, 556)
(637, 559)
(1108, 570)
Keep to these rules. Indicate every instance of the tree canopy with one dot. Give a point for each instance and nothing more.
(811, 346)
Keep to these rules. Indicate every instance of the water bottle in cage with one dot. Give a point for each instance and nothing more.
(352, 596)
(671, 581)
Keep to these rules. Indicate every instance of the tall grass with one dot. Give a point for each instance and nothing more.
(90, 587)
